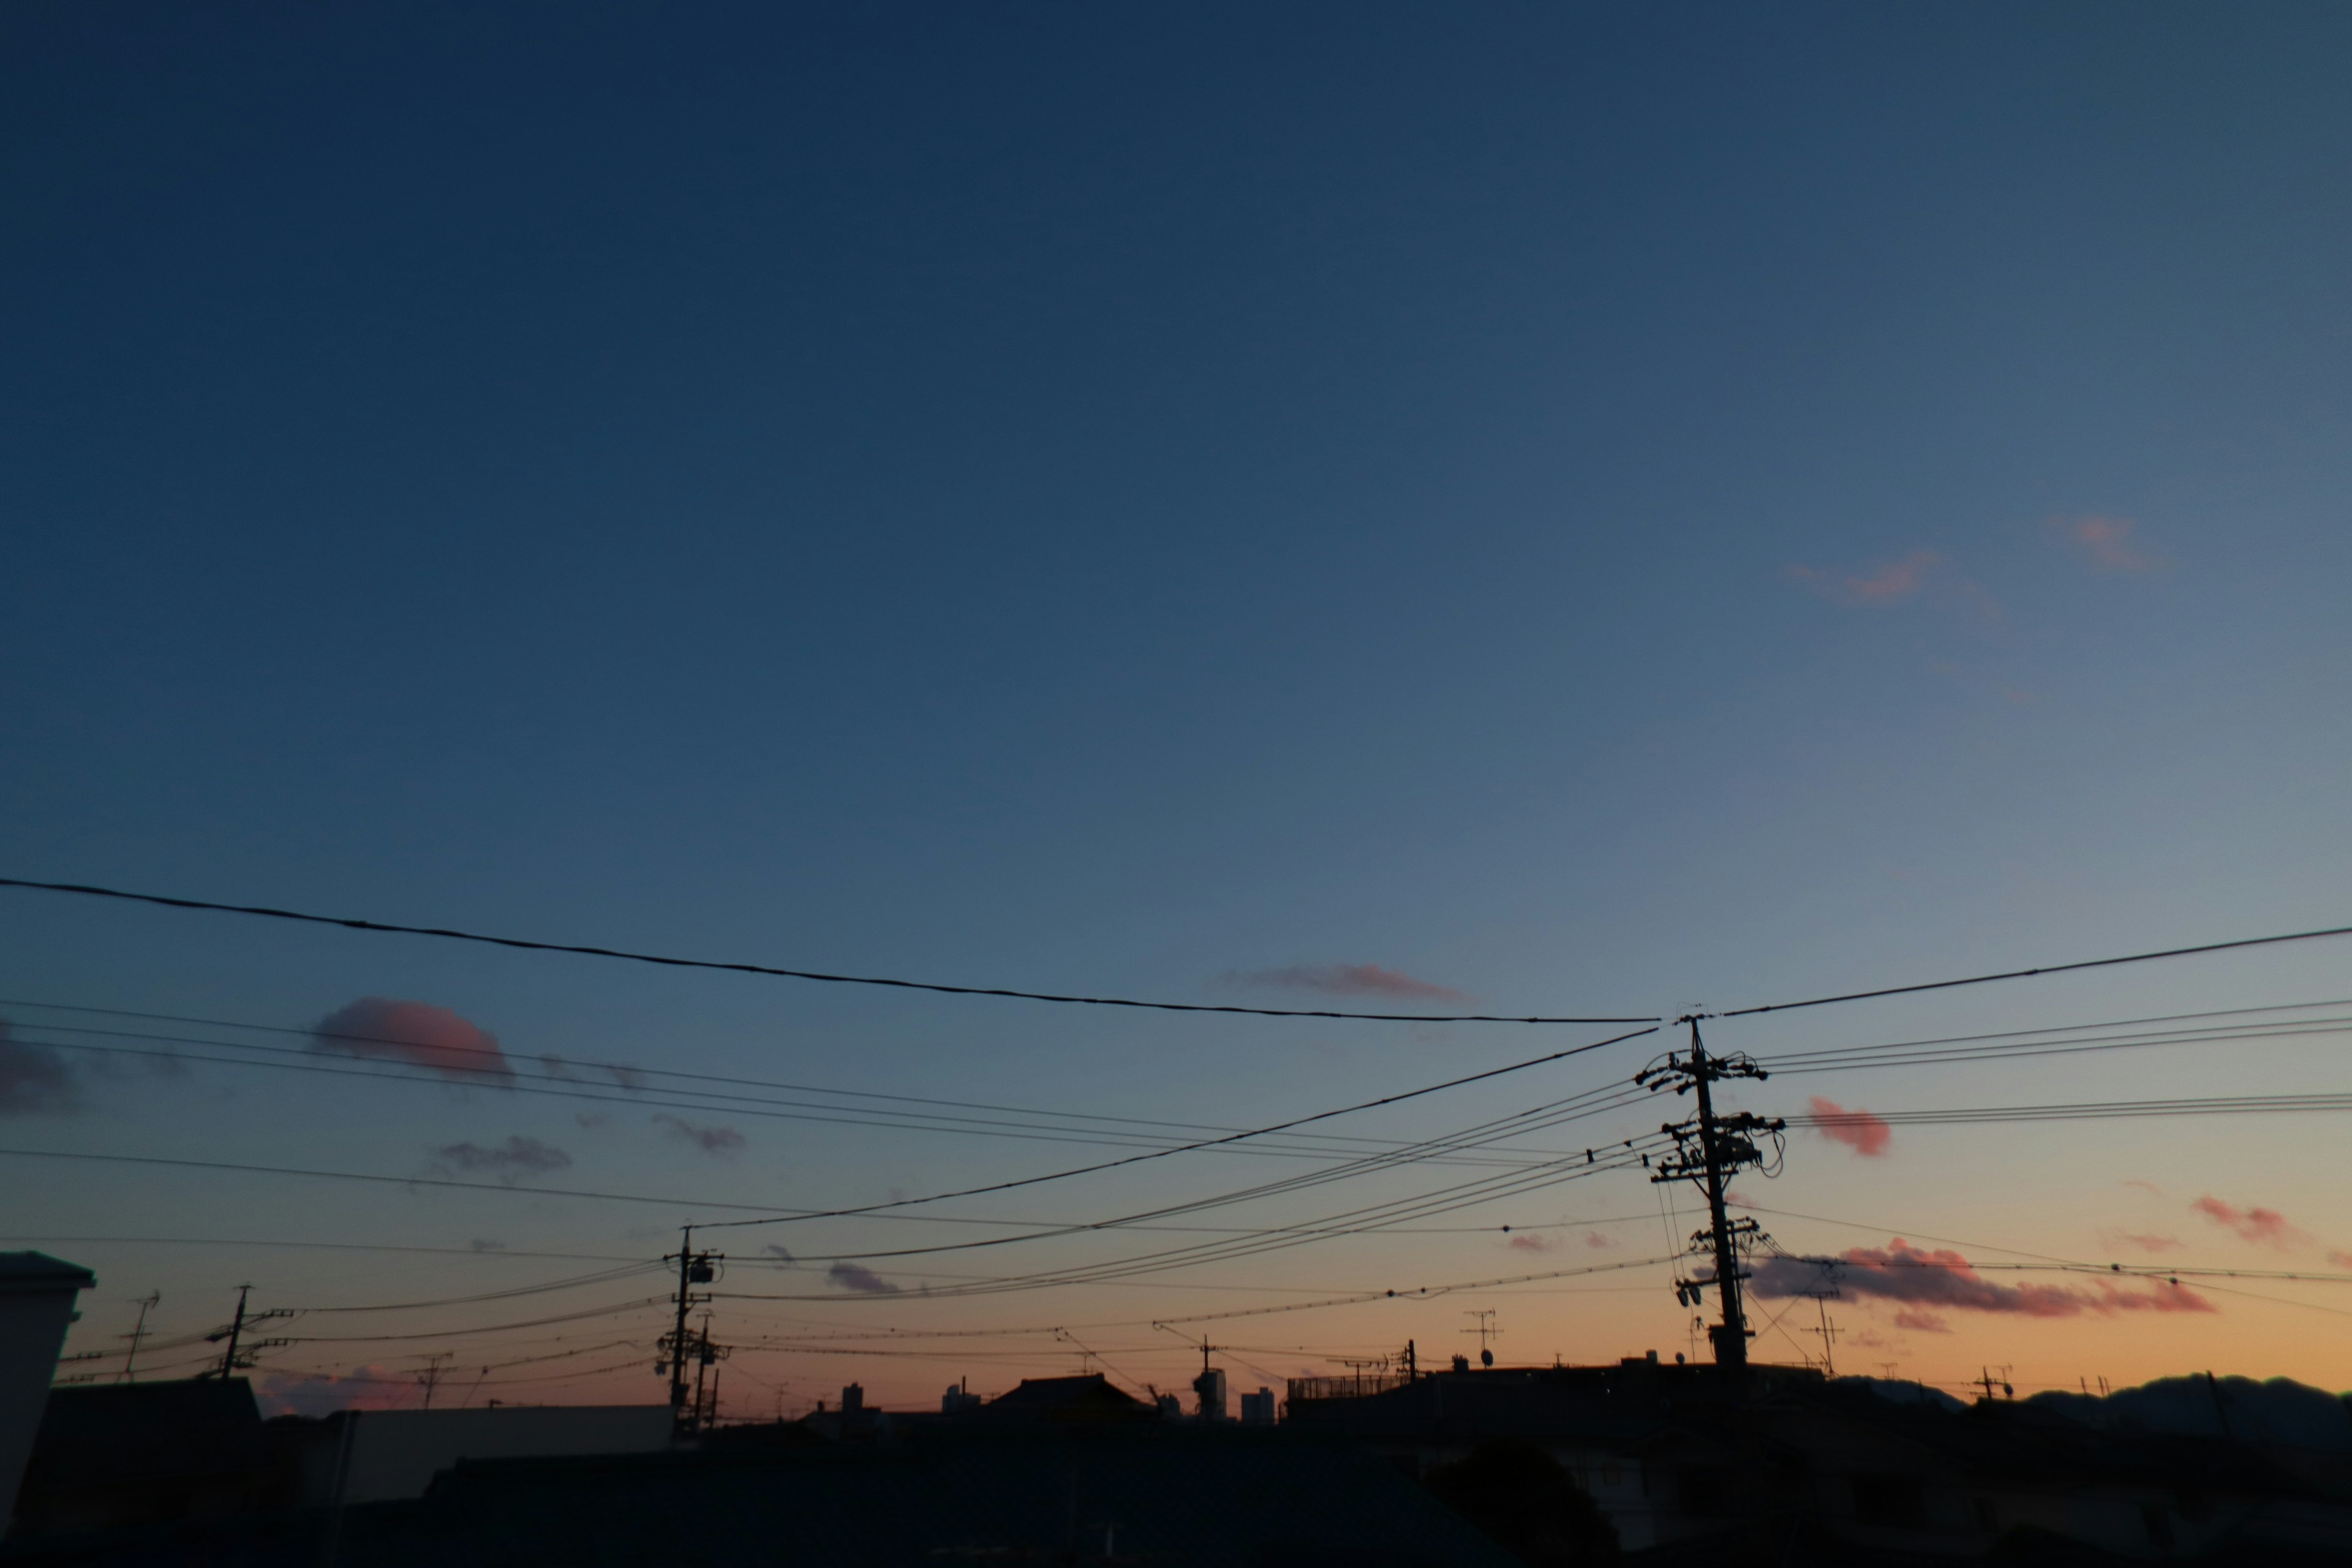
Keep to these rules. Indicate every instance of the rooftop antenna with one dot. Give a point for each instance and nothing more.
(1485, 1330)
(1827, 1330)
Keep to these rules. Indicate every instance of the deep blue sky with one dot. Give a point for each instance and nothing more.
(1600, 509)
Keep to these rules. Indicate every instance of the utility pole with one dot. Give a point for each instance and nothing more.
(707, 1357)
(431, 1376)
(682, 1342)
(130, 1357)
(236, 1328)
(238, 1359)
(1709, 1150)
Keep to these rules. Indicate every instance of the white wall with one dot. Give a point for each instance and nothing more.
(36, 1303)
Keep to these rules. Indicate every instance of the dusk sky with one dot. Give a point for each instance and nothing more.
(1573, 510)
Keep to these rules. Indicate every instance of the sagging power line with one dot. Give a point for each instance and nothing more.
(665, 961)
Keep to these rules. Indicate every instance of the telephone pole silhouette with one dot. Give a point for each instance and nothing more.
(145, 1304)
(1709, 1150)
(235, 1359)
(682, 1344)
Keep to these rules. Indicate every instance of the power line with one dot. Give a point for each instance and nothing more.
(486, 1328)
(706, 1101)
(1864, 1058)
(602, 1277)
(1424, 1291)
(590, 952)
(1205, 1143)
(2088, 1111)
(381, 1181)
(621, 1071)
(2021, 974)
(1369, 1218)
(358, 1246)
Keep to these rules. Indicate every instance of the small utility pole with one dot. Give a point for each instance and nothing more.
(236, 1328)
(235, 1359)
(1709, 1150)
(431, 1376)
(130, 1357)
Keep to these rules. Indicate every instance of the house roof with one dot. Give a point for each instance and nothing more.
(1089, 1397)
(1146, 1495)
(38, 1271)
(145, 1431)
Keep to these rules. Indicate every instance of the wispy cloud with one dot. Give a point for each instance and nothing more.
(2106, 542)
(1897, 581)
(417, 1033)
(2256, 1223)
(1887, 584)
(2340, 1259)
(709, 1139)
(1528, 1241)
(860, 1280)
(1857, 1129)
(1345, 980)
(1594, 1238)
(1930, 1280)
(32, 1079)
(779, 1251)
(2142, 1240)
(518, 1156)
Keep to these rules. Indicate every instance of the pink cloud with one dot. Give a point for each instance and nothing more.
(1942, 1279)
(32, 1079)
(2255, 1224)
(1857, 1129)
(1527, 1241)
(1345, 980)
(1889, 585)
(417, 1033)
(1920, 1320)
(367, 1387)
(1594, 1238)
(709, 1139)
(2145, 1186)
(2340, 1259)
(2106, 542)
